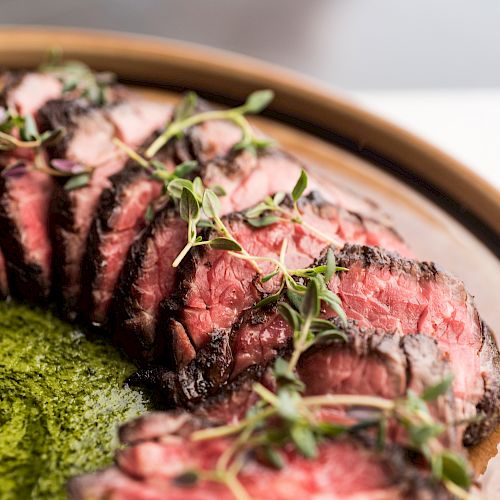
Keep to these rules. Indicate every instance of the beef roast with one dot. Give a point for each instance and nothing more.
(147, 278)
(24, 233)
(385, 291)
(27, 92)
(25, 200)
(160, 452)
(120, 217)
(216, 287)
(89, 137)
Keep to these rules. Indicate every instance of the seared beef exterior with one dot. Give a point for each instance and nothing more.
(25, 199)
(147, 278)
(385, 291)
(24, 234)
(120, 217)
(160, 451)
(89, 141)
(27, 92)
(216, 287)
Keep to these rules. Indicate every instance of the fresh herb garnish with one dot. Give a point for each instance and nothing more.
(76, 77)
(186, 117)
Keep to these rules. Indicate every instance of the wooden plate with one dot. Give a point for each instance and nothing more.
(445, 211)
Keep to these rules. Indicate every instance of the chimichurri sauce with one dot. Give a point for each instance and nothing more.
(61, 399)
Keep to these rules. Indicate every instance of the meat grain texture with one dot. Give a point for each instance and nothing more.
(195, 329)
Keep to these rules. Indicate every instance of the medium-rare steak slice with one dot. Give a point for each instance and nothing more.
(28, 92)
(90, 132)
(386, 291)
(215, 287)
(24, 233)
(160, 453)
(120, 217)
(147, 278)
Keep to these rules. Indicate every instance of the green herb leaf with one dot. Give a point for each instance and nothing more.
(274, 458)
(211, 204)
(176, 187)
(434, 391)
(185, 168)
(150, 213)
(51, 137)
(279, 198)
(225, 244)
(300, 186)
(330, 429)
(270, 299)
(186, 479)
(330, 335)
(290, 315)
(186, 107)
(189, 207)
(77, 181)
(287, 405)
(455, 469)
(265, 221)
(269, 276)
(256, 211)
(257, 101)
(29, 131)
(311, 304)
(218, 190)
(304, 440)
(330, 265)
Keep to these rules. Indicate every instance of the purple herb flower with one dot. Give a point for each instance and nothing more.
(68, 166)
(16, 170)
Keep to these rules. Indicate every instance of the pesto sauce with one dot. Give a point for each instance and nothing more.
(62, 397)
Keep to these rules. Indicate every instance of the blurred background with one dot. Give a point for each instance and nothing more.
(430, 65)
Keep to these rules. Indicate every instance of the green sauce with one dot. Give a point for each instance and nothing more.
(61, 400)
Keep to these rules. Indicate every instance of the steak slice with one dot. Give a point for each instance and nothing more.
(385, 291)
(160, 451)
(90, 132)
(120, 217)
(24, 233)
(147, 278)
(27, 92)
(216, 287)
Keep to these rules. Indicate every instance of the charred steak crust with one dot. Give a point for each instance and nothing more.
(489, 406)
(94, 261)
(27, 279)
(63, 113)
(8, 81)
(488, 355)
(173, 306)
(134, 326)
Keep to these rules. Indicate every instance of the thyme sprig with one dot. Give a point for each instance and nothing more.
(287, 417)
(186, 117)
(77, 77)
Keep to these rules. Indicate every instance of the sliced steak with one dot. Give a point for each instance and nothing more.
(385, 291)
(147, 278)
(160, 451)
(25, 200)
(24, 234)
(120, 217)
(89, 140)
(28, 92)
(216, 287)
